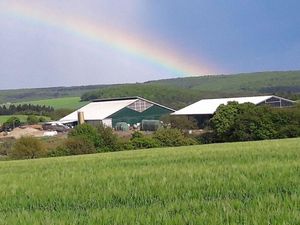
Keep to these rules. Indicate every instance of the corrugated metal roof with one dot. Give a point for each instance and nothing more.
(209, 106)
(99, 110)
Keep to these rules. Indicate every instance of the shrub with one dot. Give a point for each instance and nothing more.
(109, 141)
(28, 148)
(125, 145)
(59, 151)
(42, 119)
(89, 132)
(137, 134)
(76, 146)
(6, 147)
(32, 119)
(206, 138)
(145, 142)
(289, 131)
(171, 137)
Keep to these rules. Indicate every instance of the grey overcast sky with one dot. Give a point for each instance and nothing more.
(60, 42)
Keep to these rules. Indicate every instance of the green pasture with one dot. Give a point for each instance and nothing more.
(58, 103)
(23, 118)
(4, 118)
(236, 183)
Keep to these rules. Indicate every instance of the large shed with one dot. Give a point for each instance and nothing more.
(131, 110)
(205, 108)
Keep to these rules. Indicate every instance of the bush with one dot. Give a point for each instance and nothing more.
(136, 134)
(6, 147)
(32, 119)
(76, 146)
(59, 151)
(172, 137)
(289, 131)
(145, 142)
(42, 119)
(125, 145)
(109, 141)
(206, 138)
(89, 132)
(28, 148)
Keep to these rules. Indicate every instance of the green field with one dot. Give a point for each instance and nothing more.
(58, 103)
(23, 118)
(4, 118)
(238, 183)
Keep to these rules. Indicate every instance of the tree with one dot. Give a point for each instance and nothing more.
(11, 123)
(246, 122)
(224, 119)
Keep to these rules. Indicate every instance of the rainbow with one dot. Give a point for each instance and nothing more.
(104, 35)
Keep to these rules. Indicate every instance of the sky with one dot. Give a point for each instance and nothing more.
(64, 43)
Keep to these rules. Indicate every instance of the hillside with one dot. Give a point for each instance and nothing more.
(179, 92)
(31, 94)
(260, 82)
(236, 183)
(176, 92)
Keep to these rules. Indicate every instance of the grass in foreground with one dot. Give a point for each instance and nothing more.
(239, 183)
(58, 103)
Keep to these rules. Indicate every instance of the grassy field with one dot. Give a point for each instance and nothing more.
(58, 103)
(239, 183)
(3, 119)
(23, 118)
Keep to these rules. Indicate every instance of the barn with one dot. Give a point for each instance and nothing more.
(205, 108)
(131, 110)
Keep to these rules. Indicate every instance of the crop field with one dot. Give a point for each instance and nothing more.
(58, 103)
(235, 183)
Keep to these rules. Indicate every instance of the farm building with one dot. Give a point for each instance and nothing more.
(130, 110)
(205, 108)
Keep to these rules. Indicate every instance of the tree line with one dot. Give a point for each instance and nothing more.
(26, 109)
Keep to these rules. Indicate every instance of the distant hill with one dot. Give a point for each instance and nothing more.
(179, 92)
(31, 94)
(260, 82)
(175, 92)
